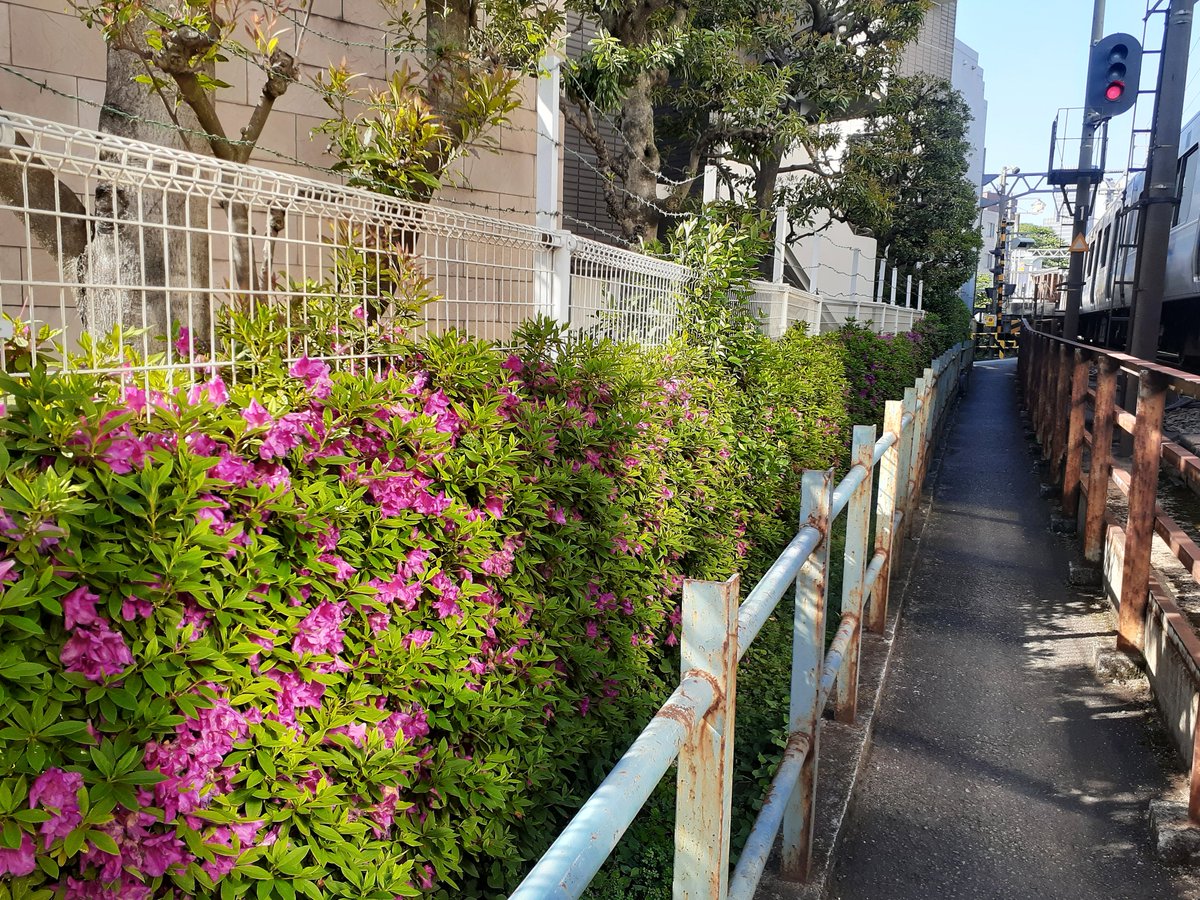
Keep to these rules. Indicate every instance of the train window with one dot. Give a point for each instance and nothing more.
(1188, 207)
(1103, 260)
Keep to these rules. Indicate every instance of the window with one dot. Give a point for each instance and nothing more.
(1187, 209)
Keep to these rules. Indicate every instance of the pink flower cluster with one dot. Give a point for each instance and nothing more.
(93, 649)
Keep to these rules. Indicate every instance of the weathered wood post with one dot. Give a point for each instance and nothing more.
(1143, 490)
(1073, 469)
(1100, 469)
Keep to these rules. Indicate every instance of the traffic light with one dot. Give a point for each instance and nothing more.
(1114, 74)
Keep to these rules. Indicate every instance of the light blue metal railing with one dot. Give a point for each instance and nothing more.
(695, 725)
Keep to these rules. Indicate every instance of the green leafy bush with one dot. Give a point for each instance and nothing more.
(362, 633)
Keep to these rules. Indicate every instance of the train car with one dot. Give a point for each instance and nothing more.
(1111, 260)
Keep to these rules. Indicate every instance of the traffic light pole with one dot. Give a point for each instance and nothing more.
(1159, 198)
(1083, 200)
(1001, 255)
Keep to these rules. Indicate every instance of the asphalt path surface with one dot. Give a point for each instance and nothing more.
(1001, 767)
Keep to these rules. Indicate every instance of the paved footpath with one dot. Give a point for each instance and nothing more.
(1001, 768)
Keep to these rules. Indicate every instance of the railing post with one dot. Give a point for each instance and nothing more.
(1100, 468)
(904, 474)
(923, 435)
(1073, 469)
(1047, 390)
(1143, 490)
(885, 516)
(705, 780)
(1060, 412)
(808, 658)
(854, 568)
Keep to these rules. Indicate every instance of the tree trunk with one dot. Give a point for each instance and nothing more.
(640, 214)
(146, 265)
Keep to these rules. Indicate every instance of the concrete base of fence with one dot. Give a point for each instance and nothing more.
(1115, 665)
(845, 748)
(1173, 676)
(1176, 837)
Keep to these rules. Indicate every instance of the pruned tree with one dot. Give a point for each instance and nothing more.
(729, 83)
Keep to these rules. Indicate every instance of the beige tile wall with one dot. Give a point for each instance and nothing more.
(44, 41)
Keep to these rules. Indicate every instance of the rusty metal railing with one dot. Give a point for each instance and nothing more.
(1055, 376)
(696, 722)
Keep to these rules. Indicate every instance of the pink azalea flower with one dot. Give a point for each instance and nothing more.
(417, 638)
(19, 862)
(555, 514)
(55, 791)
(79, 608)
(136, 608)
(201, 444)
(315, 374)
(342, 570)
(411, 725)
(95, 652)
(232, 469)
(183, 343)
(494, 506)
(213, 390)
(256, 415)
(321, 630)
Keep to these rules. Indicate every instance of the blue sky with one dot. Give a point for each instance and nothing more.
(1034, 59)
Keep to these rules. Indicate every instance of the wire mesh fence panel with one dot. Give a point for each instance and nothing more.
(624, 296)
(164, 251)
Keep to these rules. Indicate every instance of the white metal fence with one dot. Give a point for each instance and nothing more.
(780, 306)
(191, 259)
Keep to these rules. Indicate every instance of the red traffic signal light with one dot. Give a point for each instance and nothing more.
(1115, 63)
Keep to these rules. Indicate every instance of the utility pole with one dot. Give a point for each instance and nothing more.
(1001, 255)
(1083, 196)
(1159, 197)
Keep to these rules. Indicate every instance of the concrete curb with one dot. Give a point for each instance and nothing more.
(845, 749)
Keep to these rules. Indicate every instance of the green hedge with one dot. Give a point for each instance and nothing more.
(368, 634)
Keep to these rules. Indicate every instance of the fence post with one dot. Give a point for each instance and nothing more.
(808, 658)
(562, 280)
(781, 233)
(921, 437)
(1060, 410)
(921, 295)
(1100, 469)
(705, 780)
(885, 516)
(1139, 529)
(908, 291)
(854, 568)
(547, 286)
(903, 488)
(1074, 465)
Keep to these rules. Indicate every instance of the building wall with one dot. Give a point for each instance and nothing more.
(932, 53)
(585, 209)
(43, 42)
(967, 79)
